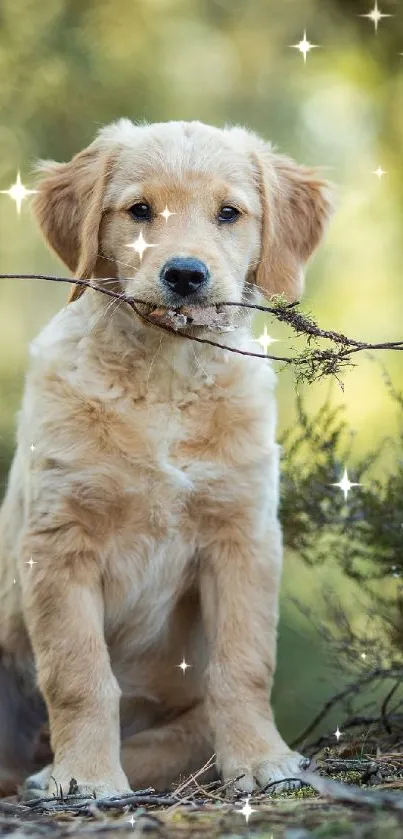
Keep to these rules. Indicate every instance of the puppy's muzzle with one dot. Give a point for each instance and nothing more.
(184, 275)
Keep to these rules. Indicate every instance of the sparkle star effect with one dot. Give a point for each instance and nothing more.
(32, 447)
(247, 810)
(183, 665)
(31, 562)
(132, 821)
(345, 484)
(379, 172)
(166, 214)
(18, 192)
(140, 245)
(375, 15)
(265, 339)
(338, 734)
(304, 46)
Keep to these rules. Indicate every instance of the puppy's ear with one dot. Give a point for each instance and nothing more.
(296, 206)
(68, 207)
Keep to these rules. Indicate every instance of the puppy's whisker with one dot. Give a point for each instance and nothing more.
(118, 261)
(106, 312)
(255, 286)
(111, 281)
(120, 303)
(98, 318)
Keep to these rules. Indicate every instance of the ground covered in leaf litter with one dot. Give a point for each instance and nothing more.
(357, 793)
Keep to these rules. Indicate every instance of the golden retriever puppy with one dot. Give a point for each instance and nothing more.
(139, 528)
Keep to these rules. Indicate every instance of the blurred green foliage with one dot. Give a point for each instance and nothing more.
(67, 67)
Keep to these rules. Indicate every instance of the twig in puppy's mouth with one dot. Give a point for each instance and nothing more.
(310, 364)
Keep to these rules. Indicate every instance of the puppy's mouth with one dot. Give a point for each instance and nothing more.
(214, 317)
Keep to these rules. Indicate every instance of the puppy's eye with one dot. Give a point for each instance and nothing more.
(141, 211)
(228, 214)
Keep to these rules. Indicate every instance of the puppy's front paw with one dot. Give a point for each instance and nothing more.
(69, 784)
(282, 771)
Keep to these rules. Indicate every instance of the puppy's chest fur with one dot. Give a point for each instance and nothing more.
(153, 462)
(192, 467)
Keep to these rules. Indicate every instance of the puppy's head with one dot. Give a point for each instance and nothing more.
(183, 213)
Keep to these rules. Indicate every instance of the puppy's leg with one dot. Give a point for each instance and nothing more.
(240, 578)
(64, 614)
(158, 756)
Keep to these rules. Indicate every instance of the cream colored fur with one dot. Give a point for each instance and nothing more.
(148, 502)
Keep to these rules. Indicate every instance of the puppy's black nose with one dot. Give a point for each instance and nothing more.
(184, 275)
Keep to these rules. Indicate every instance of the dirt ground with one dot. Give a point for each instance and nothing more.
(348, 797)
(272, 819)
